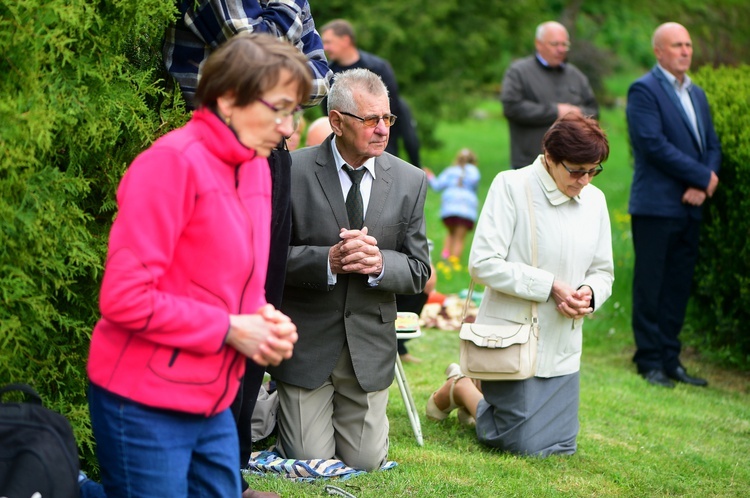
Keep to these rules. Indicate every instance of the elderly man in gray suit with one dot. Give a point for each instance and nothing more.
(355, 244)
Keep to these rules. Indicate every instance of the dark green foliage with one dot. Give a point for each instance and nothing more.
(721, 308)
(443, 53)
(448, 53)
(81, 96)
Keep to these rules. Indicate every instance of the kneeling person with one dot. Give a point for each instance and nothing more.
(355, 245)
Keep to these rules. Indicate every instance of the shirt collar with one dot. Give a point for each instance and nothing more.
(686, 82)
(554, 195)
(369, 164)
(546, 64)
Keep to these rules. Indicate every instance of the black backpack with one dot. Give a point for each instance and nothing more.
(38, 452)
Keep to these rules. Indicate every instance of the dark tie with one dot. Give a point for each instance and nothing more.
(354, 206)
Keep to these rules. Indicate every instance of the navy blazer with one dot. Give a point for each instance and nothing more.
(668, 155)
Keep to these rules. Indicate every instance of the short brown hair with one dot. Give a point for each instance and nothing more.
(340, 27)
(577, 139)
(247, 65)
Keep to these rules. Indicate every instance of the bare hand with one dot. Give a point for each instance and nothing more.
(267, 337)
(275, 350)
(694, 196)
(712, 184)
(356, 253)
(563, 109)
(572, 303)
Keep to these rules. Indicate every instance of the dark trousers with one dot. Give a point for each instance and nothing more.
(243, 406)
(666, 250)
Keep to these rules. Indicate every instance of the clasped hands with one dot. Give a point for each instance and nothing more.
(267, 337)
(572, 303)
(696, 197)
(357, 252)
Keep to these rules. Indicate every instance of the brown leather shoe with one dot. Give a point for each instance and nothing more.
(251, 493)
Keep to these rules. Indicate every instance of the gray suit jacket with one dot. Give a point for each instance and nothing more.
(350, 311)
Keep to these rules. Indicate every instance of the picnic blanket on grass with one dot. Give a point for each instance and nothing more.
(269, 462)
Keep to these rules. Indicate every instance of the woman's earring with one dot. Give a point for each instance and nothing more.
(226, 121)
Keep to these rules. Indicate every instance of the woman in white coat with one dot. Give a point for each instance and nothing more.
(573, 277)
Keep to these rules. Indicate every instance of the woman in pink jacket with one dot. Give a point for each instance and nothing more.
(182, 298)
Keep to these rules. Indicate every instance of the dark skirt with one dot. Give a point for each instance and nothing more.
(454, 221)
(536, 416)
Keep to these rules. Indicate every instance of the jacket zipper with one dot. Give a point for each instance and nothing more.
(242, 207)
(242, 296)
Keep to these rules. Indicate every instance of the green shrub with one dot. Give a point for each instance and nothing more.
(82, 94)
(721, 308)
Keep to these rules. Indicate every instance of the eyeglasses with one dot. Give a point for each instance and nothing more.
(565, 45)
(372, 121)
(580, 173)
(282, 114)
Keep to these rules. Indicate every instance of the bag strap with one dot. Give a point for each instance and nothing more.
(468, 300)
(532, 222)
(31, 395)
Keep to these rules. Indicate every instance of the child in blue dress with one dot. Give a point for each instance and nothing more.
(459, 202)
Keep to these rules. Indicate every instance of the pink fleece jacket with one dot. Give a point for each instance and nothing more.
(188, 248)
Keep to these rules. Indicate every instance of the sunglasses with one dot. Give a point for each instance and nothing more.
(580, 173)
(372, 121)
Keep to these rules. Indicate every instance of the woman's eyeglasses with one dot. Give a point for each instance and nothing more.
(372, 121)
(282, 114)
(579, 173)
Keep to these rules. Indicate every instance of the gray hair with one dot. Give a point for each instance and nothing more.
(341, 95)
(542, 29)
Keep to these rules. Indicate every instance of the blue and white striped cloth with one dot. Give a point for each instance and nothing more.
(268, 462)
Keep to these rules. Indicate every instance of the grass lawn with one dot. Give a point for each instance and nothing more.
(635, 440)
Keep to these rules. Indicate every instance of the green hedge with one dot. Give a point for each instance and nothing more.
(81, 97)
(721, 308)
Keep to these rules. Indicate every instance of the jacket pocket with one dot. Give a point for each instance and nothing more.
(388, 312)
(510, 308)
(574, 337)
(183, 367)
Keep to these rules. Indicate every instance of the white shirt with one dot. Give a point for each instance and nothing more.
(365, 187)
(683, 93)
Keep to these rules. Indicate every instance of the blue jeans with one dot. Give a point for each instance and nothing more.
(89, 488)
(146, 452)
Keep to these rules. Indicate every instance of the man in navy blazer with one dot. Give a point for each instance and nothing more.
(677, 157)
